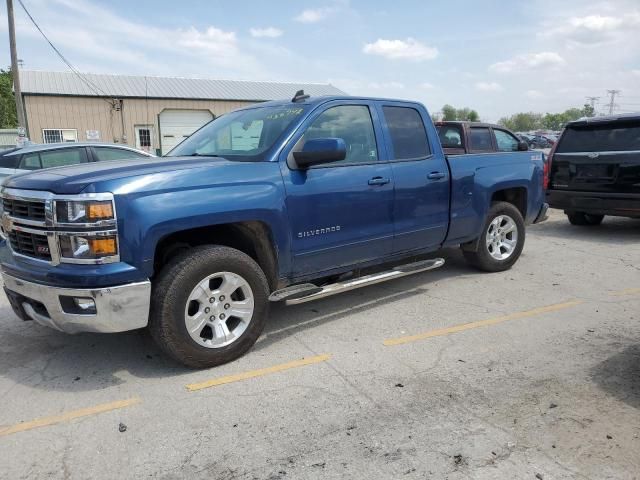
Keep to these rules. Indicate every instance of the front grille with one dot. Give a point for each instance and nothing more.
(27, 209)
(30, 244)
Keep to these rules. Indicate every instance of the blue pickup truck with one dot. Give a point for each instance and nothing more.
(281, 201)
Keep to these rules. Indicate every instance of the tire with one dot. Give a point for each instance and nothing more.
(494, 239)
(582, 219)
(179, 297)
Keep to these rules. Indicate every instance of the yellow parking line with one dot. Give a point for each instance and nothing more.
(482, 323)
(65, 417)
(628, 291)
(257, 373)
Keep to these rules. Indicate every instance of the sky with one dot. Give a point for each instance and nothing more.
(498, 57)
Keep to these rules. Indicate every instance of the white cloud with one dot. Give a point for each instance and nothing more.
(314, 15)
(534, 94)
(212, 40)
(409, 49)
(269, 32)
(488, 87)
(427, 86)
(98, 39)
(596, 29)
(528, 61)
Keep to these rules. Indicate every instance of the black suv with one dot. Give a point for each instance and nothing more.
(594, 169)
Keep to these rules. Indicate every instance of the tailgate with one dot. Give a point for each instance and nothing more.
(598, 158)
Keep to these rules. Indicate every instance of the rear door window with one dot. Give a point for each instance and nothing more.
(600, 138)
(480, 139)
(105, 153)
(62, 157)
(408, 135)
(505, 141)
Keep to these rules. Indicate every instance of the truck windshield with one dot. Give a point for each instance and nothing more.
(241, 135)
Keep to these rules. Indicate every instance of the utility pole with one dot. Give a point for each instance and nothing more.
(14, 66)
(612, 103)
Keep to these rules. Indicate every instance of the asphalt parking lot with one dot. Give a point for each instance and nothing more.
(532, 373)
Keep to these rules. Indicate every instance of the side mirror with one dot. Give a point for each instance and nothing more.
(320, 150)
(523, 146)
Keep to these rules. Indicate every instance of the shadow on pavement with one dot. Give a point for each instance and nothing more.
(619, 375)
(42, 358)
(613, 230)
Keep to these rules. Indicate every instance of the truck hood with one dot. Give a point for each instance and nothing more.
(76, 178)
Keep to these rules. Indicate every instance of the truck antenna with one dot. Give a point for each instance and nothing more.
(299, 96)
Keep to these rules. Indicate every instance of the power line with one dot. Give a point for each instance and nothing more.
(612, 103)
(92, 86)
(592, 101)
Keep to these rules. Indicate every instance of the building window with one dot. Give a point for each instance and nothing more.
(59, 135)
(145, 137)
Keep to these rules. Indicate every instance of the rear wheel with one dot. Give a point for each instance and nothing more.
(581, 218)
(502, 240)
(209, 306)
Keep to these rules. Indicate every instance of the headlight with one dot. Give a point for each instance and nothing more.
(87, 247)
(85, 211)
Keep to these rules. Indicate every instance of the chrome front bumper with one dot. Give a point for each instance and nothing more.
(117, 309)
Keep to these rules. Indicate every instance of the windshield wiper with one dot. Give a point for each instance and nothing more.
(196, 154)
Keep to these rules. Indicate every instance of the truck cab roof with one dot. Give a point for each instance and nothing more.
(315, 101)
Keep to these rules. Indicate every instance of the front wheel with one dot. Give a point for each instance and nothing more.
(209, 306)
(502, 239)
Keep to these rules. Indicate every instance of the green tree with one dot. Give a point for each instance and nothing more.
(467, 114)
(573, 114)
(473, 116)
(557, 121)
(588, 110)
(522, 122)
(8, 116)
(449, 113)
(553, 121)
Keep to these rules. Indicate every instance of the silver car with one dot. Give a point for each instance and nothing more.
(36, 157)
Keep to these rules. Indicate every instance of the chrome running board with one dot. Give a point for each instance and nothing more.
(308, 292)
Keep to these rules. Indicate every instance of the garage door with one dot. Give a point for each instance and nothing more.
(176, 125)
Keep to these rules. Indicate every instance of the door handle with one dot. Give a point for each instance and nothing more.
(379, 181)
(436, 175)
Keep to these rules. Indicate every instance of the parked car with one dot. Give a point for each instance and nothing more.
(594, 170)
(279, 201)
(540, 141)
(472, 137)
(525, 137)
(38, 156)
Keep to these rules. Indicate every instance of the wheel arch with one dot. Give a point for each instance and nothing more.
(254, 238)
(517, 196)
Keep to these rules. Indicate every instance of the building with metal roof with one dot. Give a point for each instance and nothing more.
(150, 113)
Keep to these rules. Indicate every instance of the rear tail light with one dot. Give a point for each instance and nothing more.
(546, 172)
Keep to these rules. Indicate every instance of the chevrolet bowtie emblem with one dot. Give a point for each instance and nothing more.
(593, 155)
